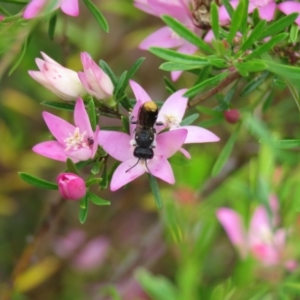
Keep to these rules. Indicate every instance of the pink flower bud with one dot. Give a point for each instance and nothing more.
(71, 186)
(94, 79)
(58, 79)
(232, 116)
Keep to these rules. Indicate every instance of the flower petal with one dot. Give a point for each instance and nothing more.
(81, 118)
(139, 93)
(40, 78)
(70, 7)
(116, 144)
(64, 80)
(95, 140)
(53, 150)
(174, 106)
(289, 7)
(198, 134)
(49, 59)
(33, 9)
(81, 154)
(161, 168)
(231, 222)
(267, 12)
(163, 37)
(173, 9)
(121, 177)
(185, 153)
(59, 128)
(167, 143)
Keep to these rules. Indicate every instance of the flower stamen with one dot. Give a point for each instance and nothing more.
(76, 140)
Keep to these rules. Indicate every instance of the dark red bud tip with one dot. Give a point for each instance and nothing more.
(232, 116)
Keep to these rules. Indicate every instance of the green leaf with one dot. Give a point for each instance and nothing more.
(155, 191)
(203, 74)
(71, 166)
(244, 17)
(217, 61)
(92, 114)
(206, 83)
(83, 209)
(126, 124)
(214, 15)
(105, 67)
(189, 120)
(121, 85)
(110, 291)
(38, 182)
(236, 20)
(267, 103)
(97, 200)
(93, 181)
(253, 84)
(178, 57)
(278, 26)
(275, 40)
(254, 35)
(294, 33)
(59, 105)
(207, 111)
(224, 155)
(97, 15)
(188, 35)
(175, 66)
(228, 7)
(169, 85)
(104, 183)
(19, 59)
(135, 67)
(295, 93)
(96, 167)
(52, 25)
(254, 65)
(285, 144)
(284, 71)
(157, 287)
(229, 95)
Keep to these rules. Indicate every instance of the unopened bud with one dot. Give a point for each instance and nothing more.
(232, 116)
(71, 186)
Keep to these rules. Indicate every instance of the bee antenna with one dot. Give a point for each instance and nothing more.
(133, 166)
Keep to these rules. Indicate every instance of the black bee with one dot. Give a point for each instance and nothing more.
(201, 13)
(144, 139)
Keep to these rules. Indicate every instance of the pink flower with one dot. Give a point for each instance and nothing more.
(58, 79)
(90, 257)
(75, 142)
(171, 115)
(94, 80)
(266, 10)
(166, 37)
(35, 7)
(289, 7)
(261, 241)
(119, 146)
(71, 186)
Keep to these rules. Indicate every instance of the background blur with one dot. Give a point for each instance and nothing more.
(130, 246)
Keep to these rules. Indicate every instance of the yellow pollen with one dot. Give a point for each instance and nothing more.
(76, 140)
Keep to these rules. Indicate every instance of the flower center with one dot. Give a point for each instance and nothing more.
(76, 140)
(171, 121)
(266, 235)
